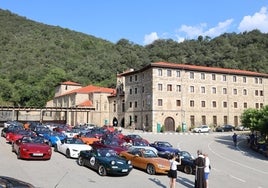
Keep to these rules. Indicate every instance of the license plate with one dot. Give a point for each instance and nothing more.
(37, 154)
(124, 170)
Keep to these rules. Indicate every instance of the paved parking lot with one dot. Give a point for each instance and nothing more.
(230, 167)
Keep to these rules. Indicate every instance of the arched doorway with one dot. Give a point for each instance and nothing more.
(169, 124)
(122, 123)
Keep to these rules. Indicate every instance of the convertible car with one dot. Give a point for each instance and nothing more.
(104, 161)
(32, 148)
(164, 148)
(71, 147)
(53, 137)
(147, 159)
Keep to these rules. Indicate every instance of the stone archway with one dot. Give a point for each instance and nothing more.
(169, 124)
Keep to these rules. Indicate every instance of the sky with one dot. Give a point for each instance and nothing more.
(143, 21)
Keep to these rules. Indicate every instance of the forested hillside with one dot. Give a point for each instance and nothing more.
(35, 57)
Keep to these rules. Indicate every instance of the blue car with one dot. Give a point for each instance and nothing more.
(53, 137)
(164, 148)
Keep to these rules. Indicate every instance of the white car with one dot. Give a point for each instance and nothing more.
(71, 147)
(201, 129)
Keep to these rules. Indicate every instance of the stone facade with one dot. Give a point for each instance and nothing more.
(172, 96)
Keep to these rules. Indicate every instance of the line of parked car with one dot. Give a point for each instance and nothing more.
(103, 149)
(223, 128)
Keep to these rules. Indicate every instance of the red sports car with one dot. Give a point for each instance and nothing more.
(32, 148)
(11, 137)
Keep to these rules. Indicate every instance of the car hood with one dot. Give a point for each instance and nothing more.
(79, 146)
(32, 146)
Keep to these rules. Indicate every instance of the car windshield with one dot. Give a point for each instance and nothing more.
(74, 141)
(106, 153)
(164, 144)
(148, 153)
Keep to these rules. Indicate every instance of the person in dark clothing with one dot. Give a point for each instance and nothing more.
(199, 162)
(235, 139)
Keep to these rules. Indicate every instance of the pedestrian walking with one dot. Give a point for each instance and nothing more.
(199, 172)
(172, 174)
(235, 139)
(207, 169)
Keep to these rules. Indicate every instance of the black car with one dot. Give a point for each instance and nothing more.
(104, 161)
(15, 183)
(225, 128)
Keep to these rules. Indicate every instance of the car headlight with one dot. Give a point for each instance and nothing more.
(112, 162)
(129, 162)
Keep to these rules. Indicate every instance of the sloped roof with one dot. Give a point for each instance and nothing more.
(70, 83)
(85, 103)
(91, 89)
(197, 68)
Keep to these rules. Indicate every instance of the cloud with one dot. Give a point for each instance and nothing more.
(258, 21)
(191, 32)
(148, 39)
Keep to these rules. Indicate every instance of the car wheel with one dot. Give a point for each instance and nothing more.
(199, 131)
(80, 161)
(102, 170)
(150, 169)
(68, 155)
(187, 169)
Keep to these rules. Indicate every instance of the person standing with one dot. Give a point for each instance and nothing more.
(173, 170)
(207, 169)
(199, 172)
(235, 139)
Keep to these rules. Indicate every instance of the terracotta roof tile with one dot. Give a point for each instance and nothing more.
(70, 83)
(85, 103)
(91, 89)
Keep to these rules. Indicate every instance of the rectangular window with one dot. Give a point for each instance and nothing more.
(203, 104)
(235, 120)
(213, 76)
(215, 123)
(235, 104)
(214, 104)
(261, 93)
(130, 79)
(234, 79)
(136, 78)
(214, 90)
(160, 102)
(136, 90)
(178, 88)
(245, 79)
(130, 104)
(203, 77)
(257, 105)
(178, 102)
(256, 80)
(191, 75)
(245, 92)
(191, 89)
(191, 103)
(192, 119)
(169, 73)
(224, 78)
(160, 73)
(203, 89)
(260, 80)
(169, 87)
(130, 91)
(245, 105)
(178, 73)
(225, 119)
(136, 104)
(256, 92)
(224, 104)
(224, 90)
(160, 87)
(261, 105)
(235, 91)
(204, 120)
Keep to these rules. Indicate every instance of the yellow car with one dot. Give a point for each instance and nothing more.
(147, 159)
